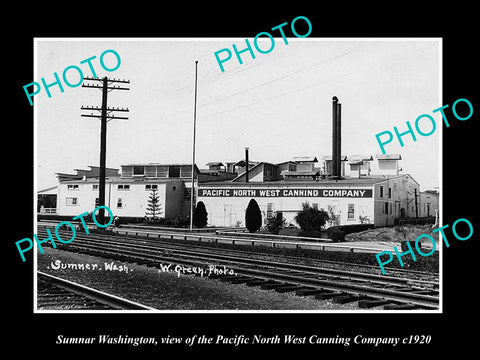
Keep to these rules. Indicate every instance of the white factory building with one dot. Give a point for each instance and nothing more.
(363, 196)
(370, 190)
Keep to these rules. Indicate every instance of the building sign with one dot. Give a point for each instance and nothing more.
(319, 192)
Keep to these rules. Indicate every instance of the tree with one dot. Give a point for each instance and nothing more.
(200, 215)
(154, 209)
(253, 216)
(275, 223)
(311, 219)
(333, 219)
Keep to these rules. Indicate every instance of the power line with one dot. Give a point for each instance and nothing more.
(280, 78)
(249, 66)
(270, 98)
(104, 115)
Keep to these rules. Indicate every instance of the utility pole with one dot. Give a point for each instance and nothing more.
(192, 196)
(104, 116)
(416, 203)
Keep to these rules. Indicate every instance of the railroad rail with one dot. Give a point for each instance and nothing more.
(312, 245)
(289, 242)
(342, 286)
(54, 293)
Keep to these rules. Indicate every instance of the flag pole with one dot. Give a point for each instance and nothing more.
(192, 196)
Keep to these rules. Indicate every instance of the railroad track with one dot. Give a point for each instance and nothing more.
(54, 293)
(342, 286)
(166, 239)
(168, 236)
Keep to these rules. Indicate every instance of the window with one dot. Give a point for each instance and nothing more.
(186, 171)
(123, 187)
(162, 171)
(71, 201)
(269, 210)
(119, 203)
(151, 187)
(174, 188)
(72, 187)
(151, 171)
(351, 212)
(127, 171)
(389, 193)
(174, 171)
(386, 208)
(138, 170)
(97, 202)
(381, 191)
(95, 187)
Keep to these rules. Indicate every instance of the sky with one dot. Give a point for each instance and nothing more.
(277, 104)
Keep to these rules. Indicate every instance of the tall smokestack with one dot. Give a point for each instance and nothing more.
(334, 136)
(339, 141)
(247, 167)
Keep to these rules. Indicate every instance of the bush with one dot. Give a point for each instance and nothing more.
(348, 229)
(151, 220)
(312, 233)
(311, 219)
(200, 215)
(275, 224)
(253, 216)
(178, 221)
(335, 234)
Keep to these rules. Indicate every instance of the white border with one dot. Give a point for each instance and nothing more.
(35, 144)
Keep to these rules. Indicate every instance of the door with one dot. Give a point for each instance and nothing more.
(229, 215)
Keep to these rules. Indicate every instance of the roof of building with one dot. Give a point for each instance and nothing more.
(47, 190)
(286, 162)
(93, 172)
(347, 181)
(431, 192)
(358, 159)
(243, 163)
(299, 159)
(158, 164)
(212, 163)
(329, 158)
(252, 168)
(388, 157)
(120, 180)
(300, 172)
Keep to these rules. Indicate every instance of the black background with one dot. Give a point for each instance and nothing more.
(452, 330)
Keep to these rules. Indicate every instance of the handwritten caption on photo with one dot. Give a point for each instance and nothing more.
(196, 270)
(178, 269)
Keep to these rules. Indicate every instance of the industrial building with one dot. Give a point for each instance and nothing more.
(366, 197)
(429, 203)
(352, 189)
(375, 198)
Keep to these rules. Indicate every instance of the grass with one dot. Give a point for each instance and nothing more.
(429, 264)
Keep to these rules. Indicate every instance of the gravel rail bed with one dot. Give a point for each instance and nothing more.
(358, 262)
(168, 291)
